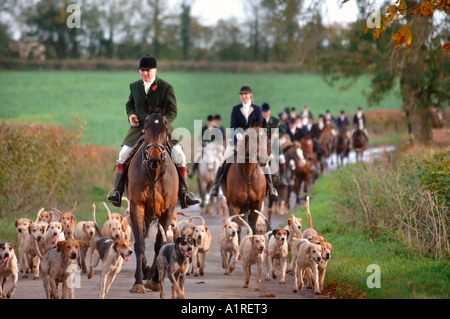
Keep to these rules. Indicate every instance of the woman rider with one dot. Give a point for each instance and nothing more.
(242, 116)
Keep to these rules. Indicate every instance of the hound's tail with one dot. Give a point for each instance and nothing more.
(250, 231)
(107, 209)
(98, 233)
(233, 217)
(309, 213)
(163, 234)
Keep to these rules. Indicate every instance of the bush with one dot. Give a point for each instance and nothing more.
(46, 166)
(407, 204)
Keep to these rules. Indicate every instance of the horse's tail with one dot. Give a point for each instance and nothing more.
(250, 231)
(163, 234)
(309, 213)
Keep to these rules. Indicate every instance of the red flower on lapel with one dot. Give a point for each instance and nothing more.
(154, 88)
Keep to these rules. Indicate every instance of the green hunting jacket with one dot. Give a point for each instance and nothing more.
(161, 94)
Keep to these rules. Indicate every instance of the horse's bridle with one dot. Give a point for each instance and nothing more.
(149, 147)
(148, 159)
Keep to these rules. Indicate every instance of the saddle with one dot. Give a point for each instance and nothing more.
(126, 165)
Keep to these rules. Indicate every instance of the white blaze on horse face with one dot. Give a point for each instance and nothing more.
(300, 154)
(156, 122)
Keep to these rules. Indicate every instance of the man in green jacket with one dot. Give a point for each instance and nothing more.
(146, 94)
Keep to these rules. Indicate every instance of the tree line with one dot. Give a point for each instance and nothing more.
(272, 30)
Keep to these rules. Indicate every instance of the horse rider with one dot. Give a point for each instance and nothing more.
(218, 124)
(208, 135)
(342, 120)
(147, 93)
(329, 119)
(242, 116)
(294, 132)
(359, 121)
(271, 122)
(306, 115)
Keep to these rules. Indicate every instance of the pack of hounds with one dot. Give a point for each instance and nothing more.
(55, 245)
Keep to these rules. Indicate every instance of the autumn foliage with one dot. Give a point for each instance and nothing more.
(401, 8)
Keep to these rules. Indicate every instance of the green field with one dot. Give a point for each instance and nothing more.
(99, 97)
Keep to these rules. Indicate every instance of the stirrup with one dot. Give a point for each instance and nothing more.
(189, 196)
(113, 199)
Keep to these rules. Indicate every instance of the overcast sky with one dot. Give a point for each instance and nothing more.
(210, 11)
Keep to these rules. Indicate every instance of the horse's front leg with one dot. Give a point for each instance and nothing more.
(137, 222)
(153, 278)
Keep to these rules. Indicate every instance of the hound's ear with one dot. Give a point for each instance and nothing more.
(124, 224)
(62, 225)
(60, 246)
(287, 231)
(195, 242)
(275, 231)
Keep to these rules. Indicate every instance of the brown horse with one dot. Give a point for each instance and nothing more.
(359, 142)
(245, 185)
(326, 140)
(153, 193)
(341, 145)
(299, 172)
(307, 146)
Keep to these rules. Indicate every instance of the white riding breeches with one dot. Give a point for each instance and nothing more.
(178, 156)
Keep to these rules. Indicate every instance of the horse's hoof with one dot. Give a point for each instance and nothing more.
(154, 286)
(137, 289)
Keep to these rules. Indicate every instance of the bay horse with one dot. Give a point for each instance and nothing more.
(341, 144)
(326, 140)
(244, 185)
(299, 171)
(152, 190)
(307, 146)
(359, 142)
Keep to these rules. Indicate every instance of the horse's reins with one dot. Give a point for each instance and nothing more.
(146, 161)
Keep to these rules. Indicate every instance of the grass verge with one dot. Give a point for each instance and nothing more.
(402, 275)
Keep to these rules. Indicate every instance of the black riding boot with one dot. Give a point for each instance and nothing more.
(115, 195)
(272, 191)
(221, 171)
(184, 195)
(283, 179)
(215, 189)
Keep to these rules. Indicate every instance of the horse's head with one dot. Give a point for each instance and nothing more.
(256, 145)
(155, 130)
